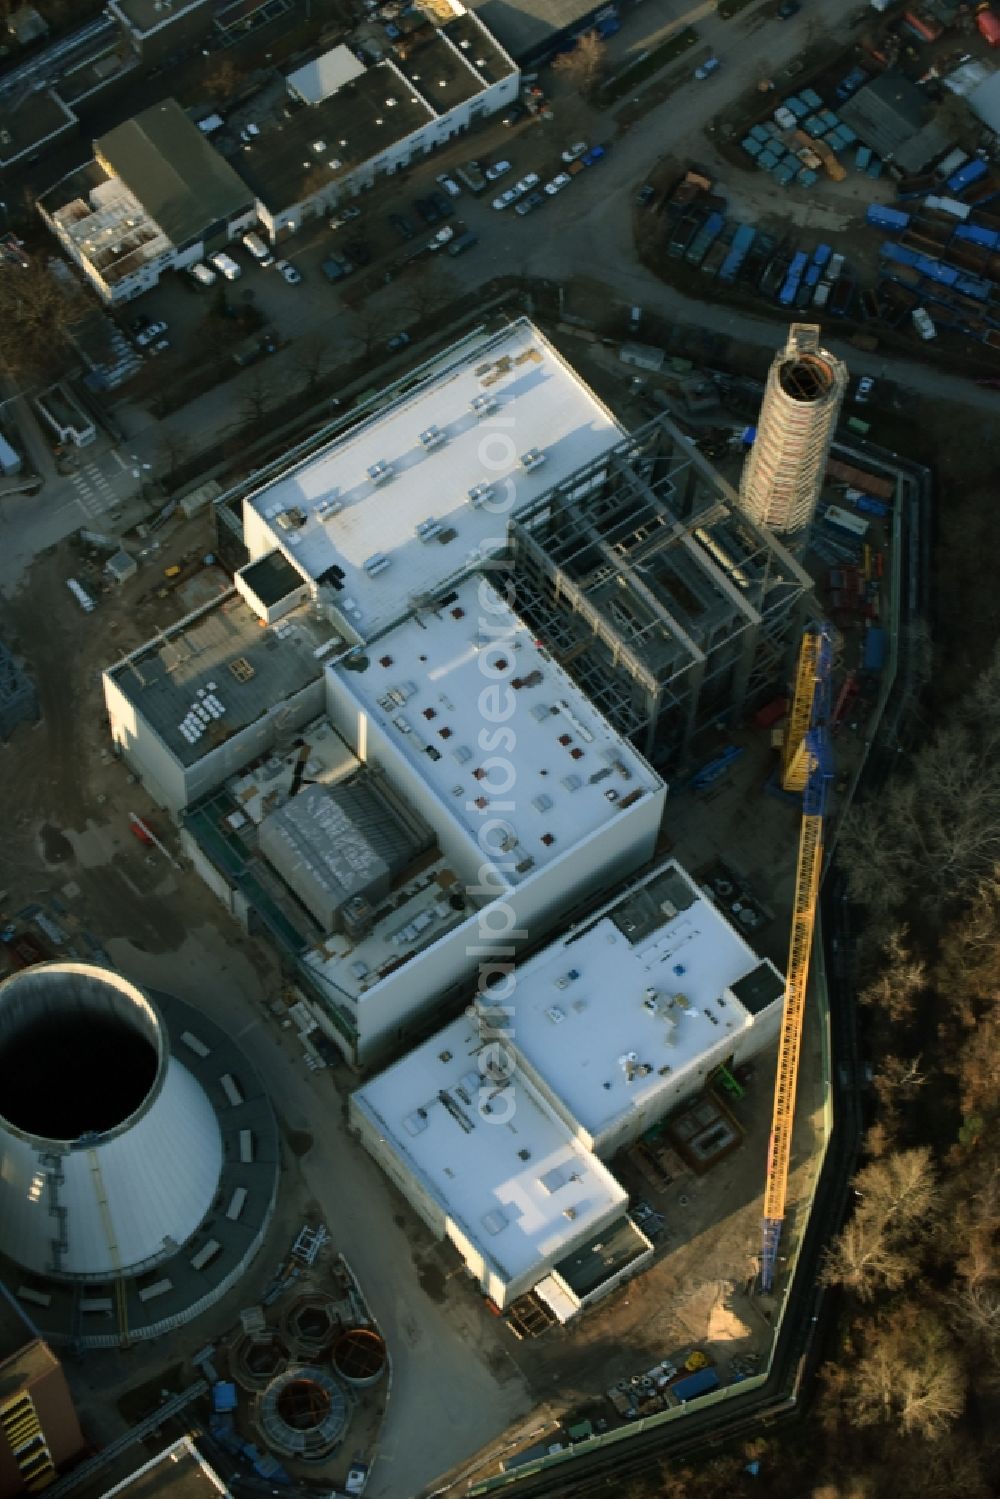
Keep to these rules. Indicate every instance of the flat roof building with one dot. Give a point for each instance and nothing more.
(600, 1035)
(39, 1429)
(489, 1164)
(622, 1019)
(212, 693)
(422, 490)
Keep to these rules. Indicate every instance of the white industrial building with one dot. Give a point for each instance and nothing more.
(423, 489)
(517, 797)
(496, 1128)
(489, 1164)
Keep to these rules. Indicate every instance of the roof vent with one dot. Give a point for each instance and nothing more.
(479, 494)
(376, 564)
(428, 529)
(330, 506)
(380, 472)
(484, 404)
(524, 1155)
(532, 459)
(433, 437)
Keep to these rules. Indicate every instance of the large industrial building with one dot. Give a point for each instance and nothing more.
(422, 490)
(423, 788)
(786, 465)
(495, 1129)
(138, 1157)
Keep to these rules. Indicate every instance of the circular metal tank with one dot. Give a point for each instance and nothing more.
(359, 1357)
(303, 1414)
(110, 1150)
(310, 1324)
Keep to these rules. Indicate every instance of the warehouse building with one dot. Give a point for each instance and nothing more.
(496, 1128)
(422, 490)
(157, 196)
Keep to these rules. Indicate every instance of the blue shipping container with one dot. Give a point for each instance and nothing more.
(695, 1384)
(873, 657)
(886, 218)
(966, 176)
(868, 505)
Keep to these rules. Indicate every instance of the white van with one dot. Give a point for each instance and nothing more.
(257, 248)
(226, 265)
(202, 274)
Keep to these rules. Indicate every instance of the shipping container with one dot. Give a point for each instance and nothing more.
(842, 520)
(699, 1383)
(875, 648)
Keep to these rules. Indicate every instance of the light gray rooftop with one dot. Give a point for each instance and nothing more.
(397, 487)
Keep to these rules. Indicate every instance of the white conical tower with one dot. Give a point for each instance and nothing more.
(784, 470)
(110, 1150)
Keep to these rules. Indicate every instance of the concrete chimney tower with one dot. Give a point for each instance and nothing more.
(784, 470)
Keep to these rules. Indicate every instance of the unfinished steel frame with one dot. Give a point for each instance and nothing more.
(669, 606)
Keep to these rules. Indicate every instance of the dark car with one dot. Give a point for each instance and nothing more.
(529, 204)
(788, 9)
(335, 268)
(512, 116)
(645, 195)
(402, 226)
(398, 341)
(427, 210)
(442, 204)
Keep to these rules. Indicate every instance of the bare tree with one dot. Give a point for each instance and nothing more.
(310, 358)
(901, 979)
(428, 288)
(879, 1248)
(908, 1375)
(222, 78)
(257, 396)
(172, 450)
(38, 310)
(584, 68)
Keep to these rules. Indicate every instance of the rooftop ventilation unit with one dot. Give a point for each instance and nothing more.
(479, 494)
(375, 564)
(532, 459)
(381, 472)
(432, 438)
(428, 529)
(291, 520)
(319, 147)
(482, 405)
(328, 507)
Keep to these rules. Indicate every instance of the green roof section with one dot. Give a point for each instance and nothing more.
(176, 174)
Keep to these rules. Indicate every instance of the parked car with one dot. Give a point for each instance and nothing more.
(512, 116)
(291, 275)
(449, 184)
(788, 9)
(249, 133)
(527, 183)
(398, 341)
(150, 334)
(442, 237)
(505, 199)
(593, 156)
(497, 170)
(202, 274)
(442, 204)
(160, 347)
(402, 226)
(464, 242)
(530, 203)
(335, 267)
(708, 67)
(864, 391)
(427, 210)
(558, 183)
(351, 211)
(572, 153)
(226, 265)
(645, 195)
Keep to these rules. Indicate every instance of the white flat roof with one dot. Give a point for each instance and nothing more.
(594, 1009)
(506, 1180)
(436, 447)
(439, 684)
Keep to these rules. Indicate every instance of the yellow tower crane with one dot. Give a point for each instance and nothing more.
(806, 768)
